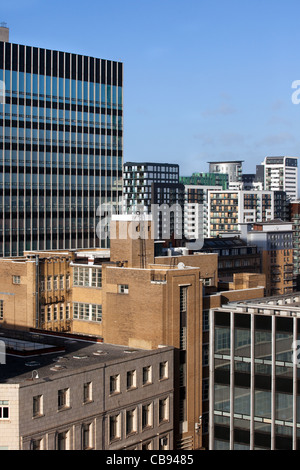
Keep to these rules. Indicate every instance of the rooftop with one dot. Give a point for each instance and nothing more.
(51, 355)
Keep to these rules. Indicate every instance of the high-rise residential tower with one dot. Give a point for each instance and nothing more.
(281, 174)
(60, 147)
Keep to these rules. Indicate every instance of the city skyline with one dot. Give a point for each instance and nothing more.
(201, 82)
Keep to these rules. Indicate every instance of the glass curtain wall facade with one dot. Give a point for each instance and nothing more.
(254, 382)
(61, 147)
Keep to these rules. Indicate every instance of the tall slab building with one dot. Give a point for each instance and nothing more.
(61, 147)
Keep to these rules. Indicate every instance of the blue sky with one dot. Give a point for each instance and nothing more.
(203, 79)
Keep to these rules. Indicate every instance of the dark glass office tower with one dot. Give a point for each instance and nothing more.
(60, 147)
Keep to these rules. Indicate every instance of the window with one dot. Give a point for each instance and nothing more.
(49, 283)
(163, 370)
(62, 440)
(55, 312)
(88, 312)
(4, 409)
(87, 277)
(131, 421)
(16, 279)
(61, 311)
(42, 314)
(205, 389)
(49, 313)
(55, 283)
(123, 289)
(147, 375)
(163, 443)
(1, 309)
(61, 282)
(87, 392)
(42, 283)
(68, 281)
(86, 436)
(63, 399)
(163, 410)
(147, 415)
(131, 379)
(67, 311)
(205, 320)
(36, 444)
(115, 427)
(114, 384)
(37, 406)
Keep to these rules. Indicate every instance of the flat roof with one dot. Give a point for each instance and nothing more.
(69, 354)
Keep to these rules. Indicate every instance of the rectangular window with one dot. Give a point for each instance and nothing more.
(86, 436)
(63, 399)
(42, 283)
(131, 421)
(4, 409)
(183, 317)
(123, 289)
(114, 384)
(55, 283)
(16, 279)
(68, 281)
(61, 282)
(61, 311)
(87, 277)
(55, 312)
(87, 392)
(88, 312)
(49, 283)
(163, 370)
(147, 375)
(147, 420)
(37, 406)
(37, 444)
(62, 441)
(131, 379)
(1, 309)
(49, 313)
(163, 410)
(115, 427)
(67, 311)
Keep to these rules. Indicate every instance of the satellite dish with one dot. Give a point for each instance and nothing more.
(181, 266)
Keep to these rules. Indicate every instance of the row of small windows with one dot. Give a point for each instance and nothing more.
(131, 378)
(55, 312)
(57, 282)
(54, 88)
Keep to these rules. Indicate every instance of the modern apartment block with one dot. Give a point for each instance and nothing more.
(61, 147)
(274, 240)
(254, 375)
(227, 209)
(196, 211)
(154, 188)
(68, 393)
(206, 179)
(232, 168)
(281, 174)
(294, 217)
